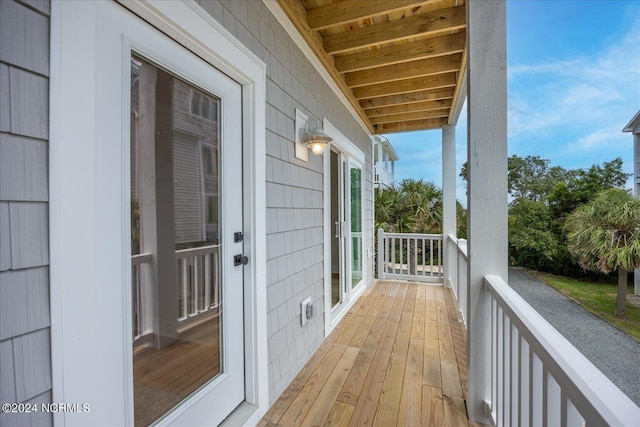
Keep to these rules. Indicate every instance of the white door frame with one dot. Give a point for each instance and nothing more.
(348, 148)
(84, 247)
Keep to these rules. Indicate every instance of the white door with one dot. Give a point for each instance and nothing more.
(346, 233)
(148, 301)
(186, 236)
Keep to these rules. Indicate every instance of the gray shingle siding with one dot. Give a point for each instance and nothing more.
(25, 343)
(294, 188)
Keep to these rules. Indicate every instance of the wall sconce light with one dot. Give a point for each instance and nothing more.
(315, 138)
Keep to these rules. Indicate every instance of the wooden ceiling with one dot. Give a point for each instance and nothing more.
(398, 62)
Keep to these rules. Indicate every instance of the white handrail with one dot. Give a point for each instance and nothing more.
(410, 256)
(539, 378)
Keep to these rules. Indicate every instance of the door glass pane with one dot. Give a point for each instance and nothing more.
(175, 211)
(355, 174)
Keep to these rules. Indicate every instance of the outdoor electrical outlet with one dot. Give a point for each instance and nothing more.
(306, 310)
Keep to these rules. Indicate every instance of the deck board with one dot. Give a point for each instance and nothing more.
(396, 359)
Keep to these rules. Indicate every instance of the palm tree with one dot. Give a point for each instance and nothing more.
(604, 235)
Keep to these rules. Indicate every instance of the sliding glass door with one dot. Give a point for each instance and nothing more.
(346, 232)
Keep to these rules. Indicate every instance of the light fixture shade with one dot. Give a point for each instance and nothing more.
(316, 139)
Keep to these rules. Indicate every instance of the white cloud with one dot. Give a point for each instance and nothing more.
(592, 96)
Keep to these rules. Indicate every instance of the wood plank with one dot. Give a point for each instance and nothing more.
(389, 404)
(454, 406)
(449, 19)
(391, 329)
(305, 398)
(431, 364)
(407, 98)
(390, 73)
(420, 115)
(410, 126)
(416, 84)
(417, 327)
(411, 399)
(365, 409)
(401, 344)
(319, 411)
(439, 104)
(333, 14)
(400, 53)
(340, 415)
(432, 407)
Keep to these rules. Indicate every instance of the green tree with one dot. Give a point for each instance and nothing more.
(415, 206)
(604, 235)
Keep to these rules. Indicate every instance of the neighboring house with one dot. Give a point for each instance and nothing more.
(634, 127)
(161, 223)
(384, 159)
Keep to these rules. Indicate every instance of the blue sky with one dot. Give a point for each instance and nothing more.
(573, 84)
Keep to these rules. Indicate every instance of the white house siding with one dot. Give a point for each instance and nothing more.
(25, 362)
(294, 188)
(187, 177)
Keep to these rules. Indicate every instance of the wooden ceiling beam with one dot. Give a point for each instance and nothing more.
(419, 115)
(410, 126)
(400, 53)
(389, 73)
(410, 108)
(298, 16)
(449, 19)
(406, 98)
(346, 11)
(405, 86)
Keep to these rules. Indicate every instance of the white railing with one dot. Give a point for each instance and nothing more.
(408, 256)
(539, 378)
(139, 297)
(198, 281)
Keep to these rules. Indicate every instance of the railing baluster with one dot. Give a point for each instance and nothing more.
(185, 288)
(525, 384)
(424, 263)
(536, 391)
(196, 284)
(393, 254)
(553, 401)
(207, 280)
(431, 255)
(414, 261)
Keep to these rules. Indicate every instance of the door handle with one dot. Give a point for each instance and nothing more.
(338, 229)
(240, 260)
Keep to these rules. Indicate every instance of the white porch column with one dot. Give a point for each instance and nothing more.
(449, 203)
(487, 185)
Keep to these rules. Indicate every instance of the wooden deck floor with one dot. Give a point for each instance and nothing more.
(396, 359)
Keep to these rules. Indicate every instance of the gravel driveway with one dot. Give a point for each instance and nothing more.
(616, 354)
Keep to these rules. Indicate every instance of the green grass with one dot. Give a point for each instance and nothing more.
(599, 298)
